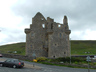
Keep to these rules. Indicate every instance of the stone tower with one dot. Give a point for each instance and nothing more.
(46, 38)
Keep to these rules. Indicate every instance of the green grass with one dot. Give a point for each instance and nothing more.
(75, 62)
(19, 47)
(78, 47)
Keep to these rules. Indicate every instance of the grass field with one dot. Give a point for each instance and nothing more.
(81, 47)
(78, 47)
(10, 48)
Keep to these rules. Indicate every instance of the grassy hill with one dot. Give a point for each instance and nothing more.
(81, 47)
(11, 48)
(78, 47)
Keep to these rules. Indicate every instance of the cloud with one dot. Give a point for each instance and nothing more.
(12, 35)
(77, 10)
(17, 15)
(80, 13)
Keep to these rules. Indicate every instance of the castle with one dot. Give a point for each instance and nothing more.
(46, 38)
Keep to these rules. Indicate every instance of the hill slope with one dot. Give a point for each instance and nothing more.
(10, 48)
(83, 46)
(78, 47)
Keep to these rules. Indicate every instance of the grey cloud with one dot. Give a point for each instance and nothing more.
(80, 11)
(75, 9)
(13, 35)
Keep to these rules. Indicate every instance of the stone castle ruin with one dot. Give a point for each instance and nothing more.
(46, 38)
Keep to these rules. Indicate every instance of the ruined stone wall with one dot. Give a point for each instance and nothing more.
(47, 38)
(36, 37)
(58, 40)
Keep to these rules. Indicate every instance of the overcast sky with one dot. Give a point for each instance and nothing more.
(16, 15)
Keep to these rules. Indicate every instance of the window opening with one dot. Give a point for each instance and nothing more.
(59, 25)
(52, 26)
(42, 19)
(60, 35)
(53, 56)
(31, 46)
(56, 44)
(43, 46)
(32, 34)
(43, 25)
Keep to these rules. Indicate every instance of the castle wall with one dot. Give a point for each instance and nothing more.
(47, 38)
(58, 42)
(36, 37)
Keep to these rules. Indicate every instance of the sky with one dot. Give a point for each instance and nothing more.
(16, 15)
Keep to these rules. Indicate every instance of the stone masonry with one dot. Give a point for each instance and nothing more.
(46, 38)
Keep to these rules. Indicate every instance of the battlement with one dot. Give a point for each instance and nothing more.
(50, 19)
(49, 24)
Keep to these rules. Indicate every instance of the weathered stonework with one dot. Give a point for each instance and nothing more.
(46, 38)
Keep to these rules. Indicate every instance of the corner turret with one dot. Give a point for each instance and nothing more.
(27, 31)
(65, 22)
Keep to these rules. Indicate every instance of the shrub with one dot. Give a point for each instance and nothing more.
(34, 60)
(76, 62)
(78, 59)
(40, 59)
(67, 59)
(19, 52)
(61, 59)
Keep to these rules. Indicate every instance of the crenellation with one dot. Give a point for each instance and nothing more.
(47, 38)
(50, 19)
